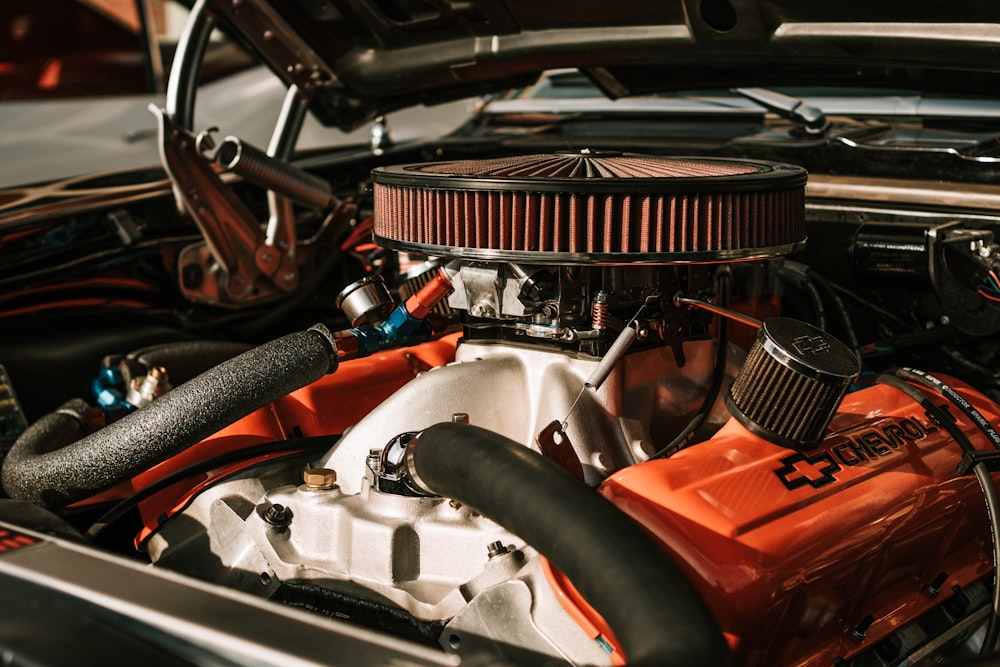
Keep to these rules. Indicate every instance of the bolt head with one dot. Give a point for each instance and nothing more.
(319, 479)
(495, 549)
(482, 309)
(277, 515)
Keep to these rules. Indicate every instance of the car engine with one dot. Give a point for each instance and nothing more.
(574, 346)
(589, 406)
(595, 291)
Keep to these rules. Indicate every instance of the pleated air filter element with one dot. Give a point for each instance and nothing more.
(592, 207)
(792, 382)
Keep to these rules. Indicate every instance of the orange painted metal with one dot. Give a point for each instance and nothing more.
(581, 612)
(792, 550)
(325, 407)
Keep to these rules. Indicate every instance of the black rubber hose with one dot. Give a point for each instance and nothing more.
(187, 359)
(654, 611)
(48, 466)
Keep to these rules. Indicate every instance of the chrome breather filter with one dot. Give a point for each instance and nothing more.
(792, 382)
(589, 207)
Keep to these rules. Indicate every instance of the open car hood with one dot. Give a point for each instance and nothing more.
(361, 59)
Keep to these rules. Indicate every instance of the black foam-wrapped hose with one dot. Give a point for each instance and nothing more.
(654, 611)
(186, 359)
(49, 466)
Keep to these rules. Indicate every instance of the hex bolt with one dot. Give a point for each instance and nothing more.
(932, 589)
(319, 479)
(460, 418)
(495, 549)
(374, 460)
(277, 515)
(550, 310)
(860, 631)
(482, 309)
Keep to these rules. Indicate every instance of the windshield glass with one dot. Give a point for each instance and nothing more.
(571, 90)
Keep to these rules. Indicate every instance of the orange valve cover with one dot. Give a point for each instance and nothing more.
(792, 550)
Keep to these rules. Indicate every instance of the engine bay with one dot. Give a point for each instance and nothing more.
(715, 402)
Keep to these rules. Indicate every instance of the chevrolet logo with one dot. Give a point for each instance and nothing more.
(810, 345)
(800, 470)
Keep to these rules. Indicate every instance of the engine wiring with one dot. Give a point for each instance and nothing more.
(900, 379)
(797, 275)
(870, 305)
(893, 344)
(724, 280)
(991, 289)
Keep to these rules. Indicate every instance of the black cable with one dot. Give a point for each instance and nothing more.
(797, 275)
(681, 440)
(982, 474)
(985, 374)
(917, 338)
(299, 445)
(989, 490)
(100, 257)
(959, 401)
(839, 307)
(871, 305)
(308, 287)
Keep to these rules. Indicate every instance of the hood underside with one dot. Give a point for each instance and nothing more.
(359, 59)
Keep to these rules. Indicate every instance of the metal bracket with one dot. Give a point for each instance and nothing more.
(278, 43)
(235, 266)
(555, 445)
